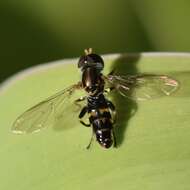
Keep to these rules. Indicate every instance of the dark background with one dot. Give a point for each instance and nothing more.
(39, 31)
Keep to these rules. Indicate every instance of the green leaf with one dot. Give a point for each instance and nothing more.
(153, 136)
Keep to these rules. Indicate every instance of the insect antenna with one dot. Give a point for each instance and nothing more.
(88, 51)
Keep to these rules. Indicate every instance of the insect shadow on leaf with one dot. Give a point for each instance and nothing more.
(126, 108)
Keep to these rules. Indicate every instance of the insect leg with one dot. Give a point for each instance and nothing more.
(81, 115)
(112, 72)
(91, 139)
(108, 90)
(110, 105)
(85, 124)
(79, 100)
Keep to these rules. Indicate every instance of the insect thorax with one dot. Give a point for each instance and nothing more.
(96, 102)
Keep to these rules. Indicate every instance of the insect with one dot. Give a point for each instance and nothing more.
(101, 111)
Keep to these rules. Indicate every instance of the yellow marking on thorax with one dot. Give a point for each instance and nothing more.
(102, 110)
(93, 113)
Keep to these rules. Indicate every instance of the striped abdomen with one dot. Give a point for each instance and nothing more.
(102, 126)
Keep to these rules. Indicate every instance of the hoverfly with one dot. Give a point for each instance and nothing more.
(101, 111)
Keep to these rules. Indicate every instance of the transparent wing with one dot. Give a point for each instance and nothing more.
(143, 87)
(44, 113)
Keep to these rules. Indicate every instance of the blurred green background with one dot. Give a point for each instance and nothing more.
(39, 31)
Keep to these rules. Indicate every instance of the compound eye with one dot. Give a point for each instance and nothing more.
(82, 61)
(86, 60)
